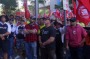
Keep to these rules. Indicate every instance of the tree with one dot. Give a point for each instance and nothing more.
(41, 1)
(9, 5)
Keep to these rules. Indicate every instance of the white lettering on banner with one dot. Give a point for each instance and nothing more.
(66, 4)
(83, 12)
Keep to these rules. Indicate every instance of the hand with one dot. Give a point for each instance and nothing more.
(81, 44)
(34, 31)
(2, 38)
(41, 44)
(0, 35)
(26, 31)
(67, 47)
(15, 37)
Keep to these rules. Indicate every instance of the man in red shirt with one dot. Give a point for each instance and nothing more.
(75, 38)
(31, 31)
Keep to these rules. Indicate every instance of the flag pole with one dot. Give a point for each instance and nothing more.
(65, 21)
(36, 9)
(65, 7)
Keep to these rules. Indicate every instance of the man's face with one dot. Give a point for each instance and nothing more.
(72, 23)
(68, 22)
(22, 22)
(11, 17)
(58, 26)
(41, 22)
(11, 21)
(47, 22)
(3, 19)
(31, 21)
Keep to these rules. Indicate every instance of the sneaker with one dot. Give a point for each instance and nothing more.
(11, 57)
(26, 58)
(17, 57)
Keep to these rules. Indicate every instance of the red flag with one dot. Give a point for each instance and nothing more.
(83, 12)
(45, 15)
(74, 7)
(39, 16)
(69, 14)
(49, 13)
(57, 13)
(27, 13)
(86, 3)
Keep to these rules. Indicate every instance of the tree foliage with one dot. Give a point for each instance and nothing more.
(9, 5)
(41, 1)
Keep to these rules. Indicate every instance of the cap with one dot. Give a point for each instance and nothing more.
(73, 19)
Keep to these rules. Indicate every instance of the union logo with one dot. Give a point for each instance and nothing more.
(83, 12)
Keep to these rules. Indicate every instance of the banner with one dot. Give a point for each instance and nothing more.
(69, 14)
(83, 11)
(66, 4)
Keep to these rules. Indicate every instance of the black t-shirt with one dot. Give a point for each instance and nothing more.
(20, 35)
(58, 39)
(46, 33)
(12, 33)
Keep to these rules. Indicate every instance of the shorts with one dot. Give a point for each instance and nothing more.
(4, 45)
(19, 43)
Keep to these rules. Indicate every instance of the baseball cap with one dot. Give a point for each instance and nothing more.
(73, 19)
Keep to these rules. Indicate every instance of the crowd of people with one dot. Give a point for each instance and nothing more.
(43, 38)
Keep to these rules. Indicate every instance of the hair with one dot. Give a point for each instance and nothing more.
(2, 17)
(17, 17)
(48, 19)
(73, 19)
(11, 15)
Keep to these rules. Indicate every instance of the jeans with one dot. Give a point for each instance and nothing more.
(48, 53)
(10, 47)
(87, 51)
(77, 52)
(31, 50)
(59, 52)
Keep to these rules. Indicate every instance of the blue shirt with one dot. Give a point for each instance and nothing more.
(5, 27)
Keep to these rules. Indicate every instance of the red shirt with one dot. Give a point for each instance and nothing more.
(75, 35)
(31, 37)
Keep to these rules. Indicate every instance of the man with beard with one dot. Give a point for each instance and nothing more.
(47, 41)
(75, 38)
